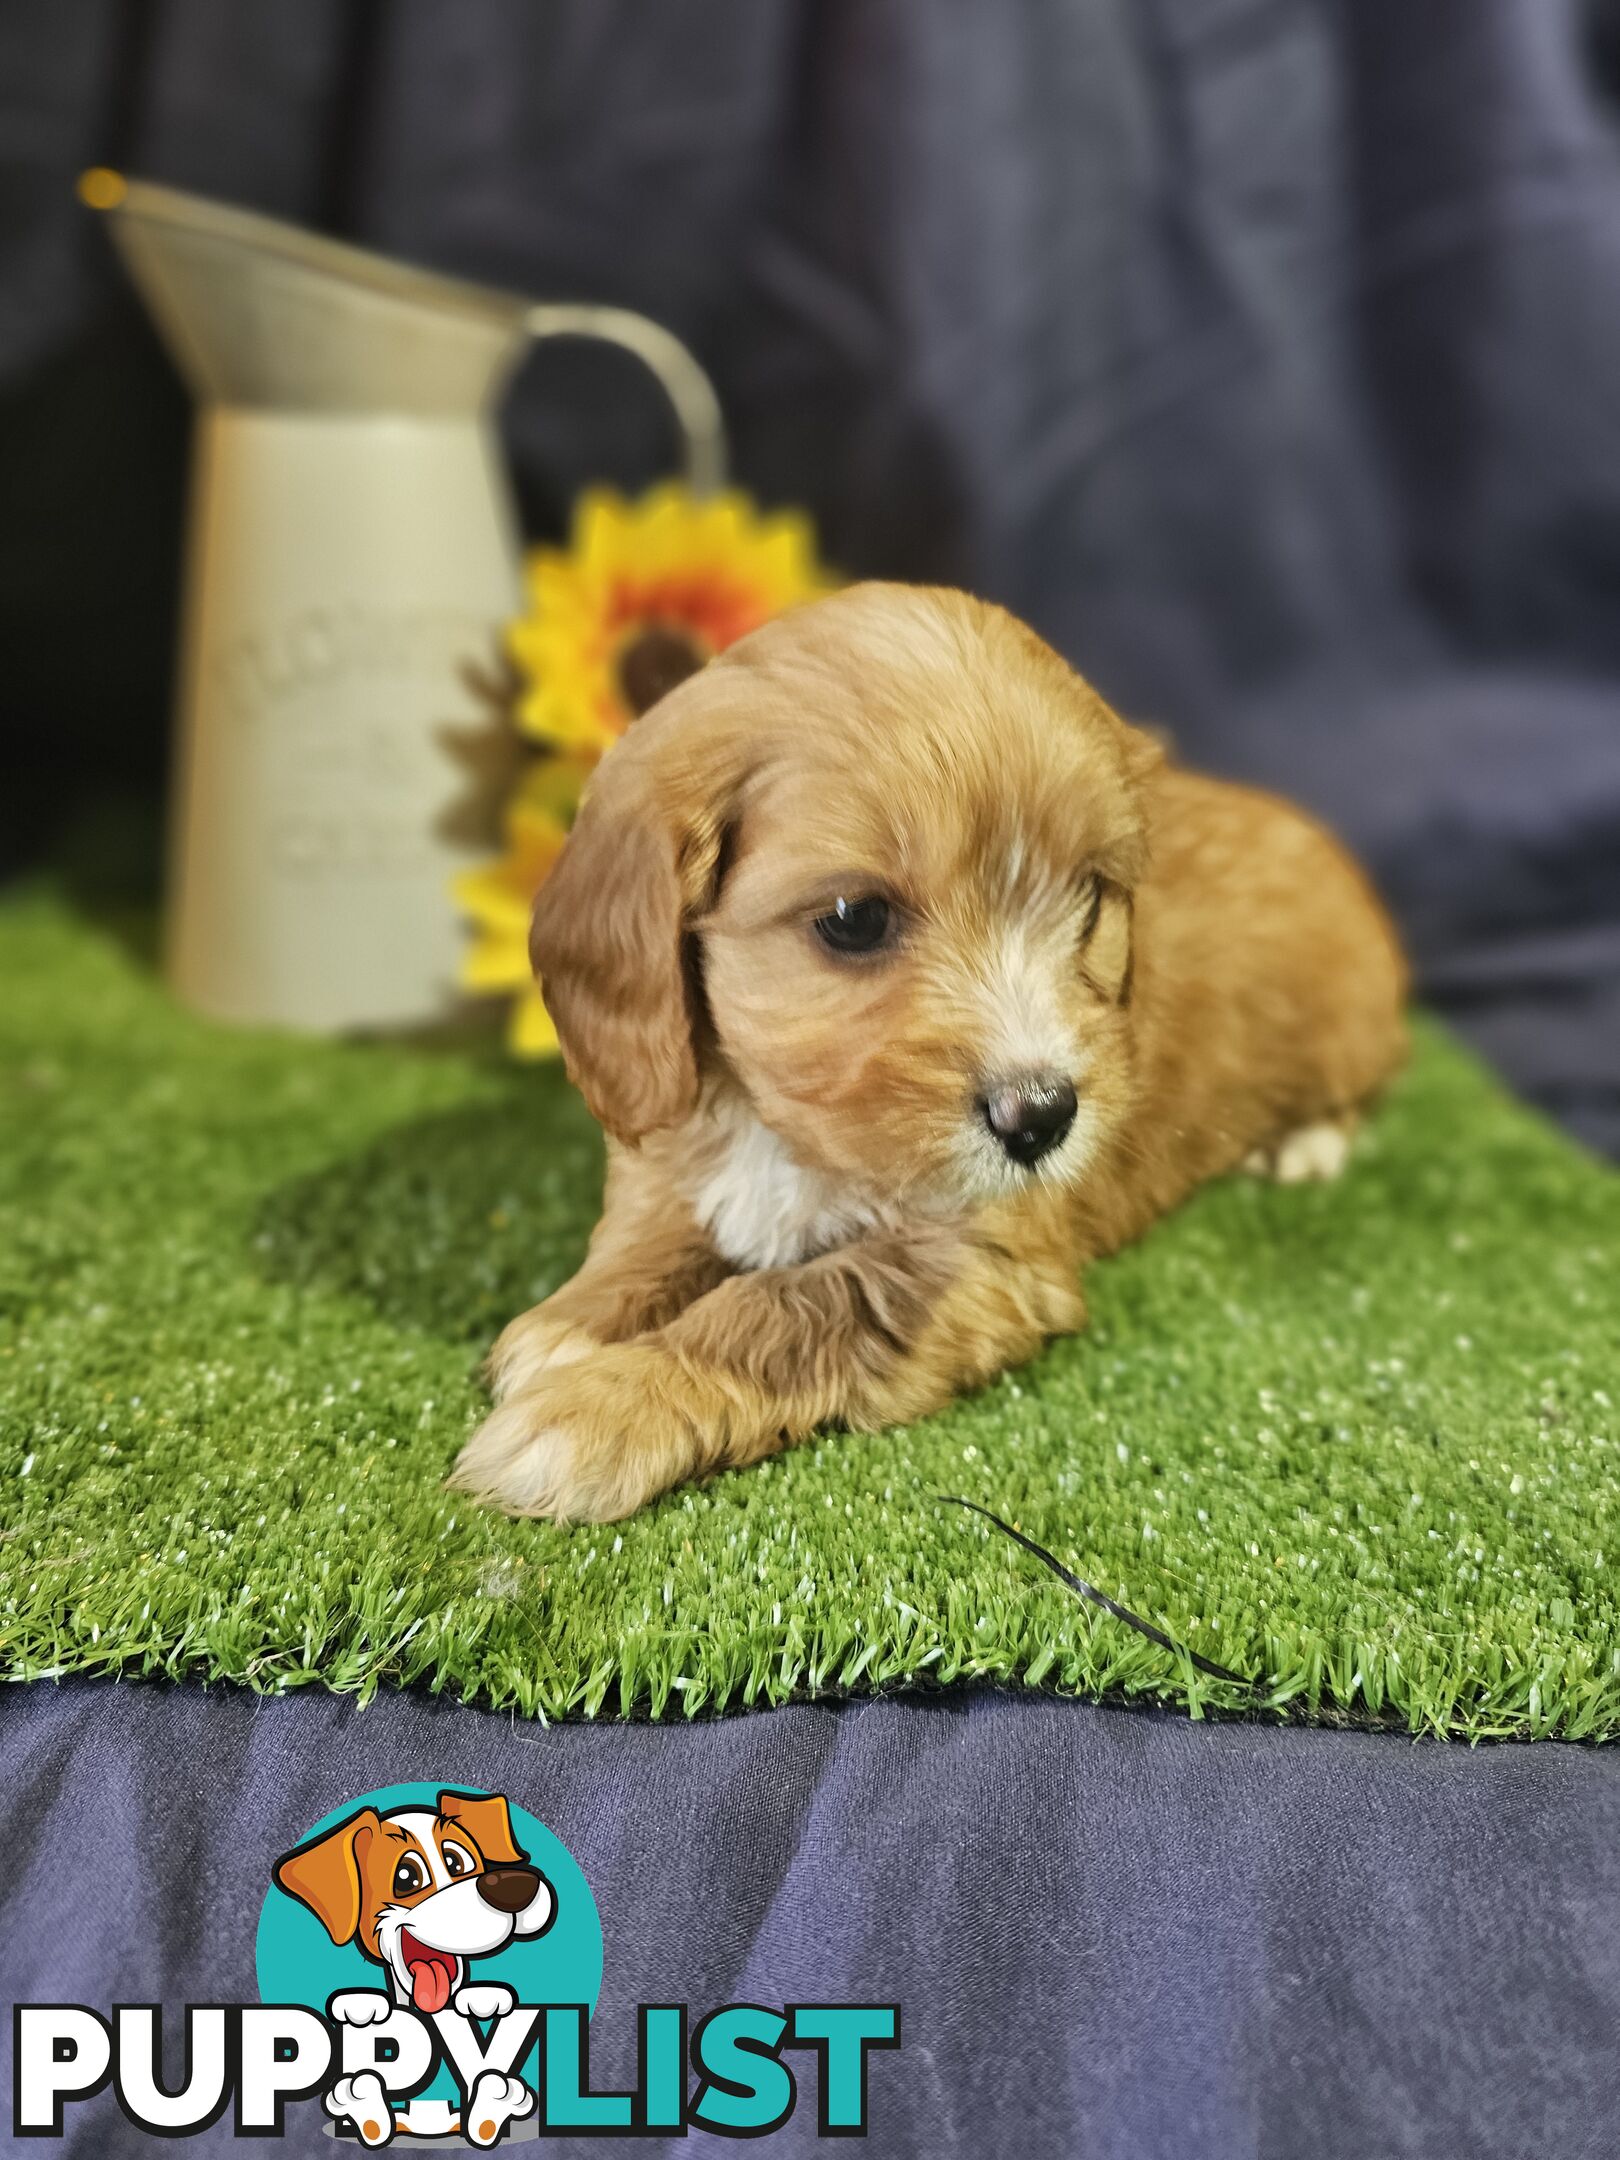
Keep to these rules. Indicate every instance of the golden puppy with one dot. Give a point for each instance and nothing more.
(905, 978)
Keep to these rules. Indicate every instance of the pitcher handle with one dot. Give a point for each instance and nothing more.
(690, 393)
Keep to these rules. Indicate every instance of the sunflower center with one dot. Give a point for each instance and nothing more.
(652, 660)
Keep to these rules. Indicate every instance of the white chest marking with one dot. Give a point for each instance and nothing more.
(761, 1207)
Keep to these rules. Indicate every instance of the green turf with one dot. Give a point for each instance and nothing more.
(1359, 1441)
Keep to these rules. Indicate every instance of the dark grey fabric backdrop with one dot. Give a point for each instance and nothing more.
(1224, 338)
(1113, 1935)
(1267, 354)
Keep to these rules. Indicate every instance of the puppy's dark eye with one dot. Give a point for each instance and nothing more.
(855, 926)
(456, 1861)
(410, 1876)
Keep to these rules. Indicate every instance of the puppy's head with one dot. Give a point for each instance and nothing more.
(872, 867)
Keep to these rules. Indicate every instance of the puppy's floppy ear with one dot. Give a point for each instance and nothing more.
(609, 937)
(325, 1874)
(1110, 947)
(1109, 950)
(488, 1821)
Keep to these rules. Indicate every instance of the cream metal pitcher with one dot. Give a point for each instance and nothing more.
(351, 553)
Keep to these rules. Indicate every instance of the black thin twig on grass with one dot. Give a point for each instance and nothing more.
(1082, 1588)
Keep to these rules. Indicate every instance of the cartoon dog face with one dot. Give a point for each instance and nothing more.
(420, 1892)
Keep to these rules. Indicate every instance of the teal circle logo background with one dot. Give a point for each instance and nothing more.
(298, 1962)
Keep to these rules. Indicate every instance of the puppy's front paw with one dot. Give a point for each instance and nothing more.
(586, 1442)
(530, 1345)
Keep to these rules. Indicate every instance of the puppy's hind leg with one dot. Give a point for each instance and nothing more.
(1310, 1154)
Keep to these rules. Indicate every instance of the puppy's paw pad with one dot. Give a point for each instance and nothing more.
(360, 2006)
(1314, 1154)
(360, 2100)
(485, 1999)
(495, 2101)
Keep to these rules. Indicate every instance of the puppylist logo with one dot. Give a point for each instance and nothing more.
(428, 1963)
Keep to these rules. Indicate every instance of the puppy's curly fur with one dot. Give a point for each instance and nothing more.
(809, 1216)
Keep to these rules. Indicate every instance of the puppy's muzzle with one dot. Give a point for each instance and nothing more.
(1030, 1115)
(508, 1889)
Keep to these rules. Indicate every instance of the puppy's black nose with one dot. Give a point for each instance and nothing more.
(1030, 1115)
(508, 1889)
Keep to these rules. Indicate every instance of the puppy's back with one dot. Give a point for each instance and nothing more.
(1268, 994)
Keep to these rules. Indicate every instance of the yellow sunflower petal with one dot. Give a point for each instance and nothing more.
(494, 964)
(784, 558)
(573, 724)
(723, 524)
(545, 568)
(600, 523)
(529, 1031)
(491, 898)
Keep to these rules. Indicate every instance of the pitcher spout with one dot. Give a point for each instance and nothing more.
(260, 313)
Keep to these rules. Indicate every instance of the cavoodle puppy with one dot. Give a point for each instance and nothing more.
(905, 978)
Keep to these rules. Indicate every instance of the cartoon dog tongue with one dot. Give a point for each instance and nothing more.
(431, 1973)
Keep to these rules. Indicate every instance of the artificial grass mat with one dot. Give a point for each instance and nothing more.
(1358, 1441)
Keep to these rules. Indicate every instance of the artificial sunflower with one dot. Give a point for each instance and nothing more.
(645, 593)
(499, 899)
